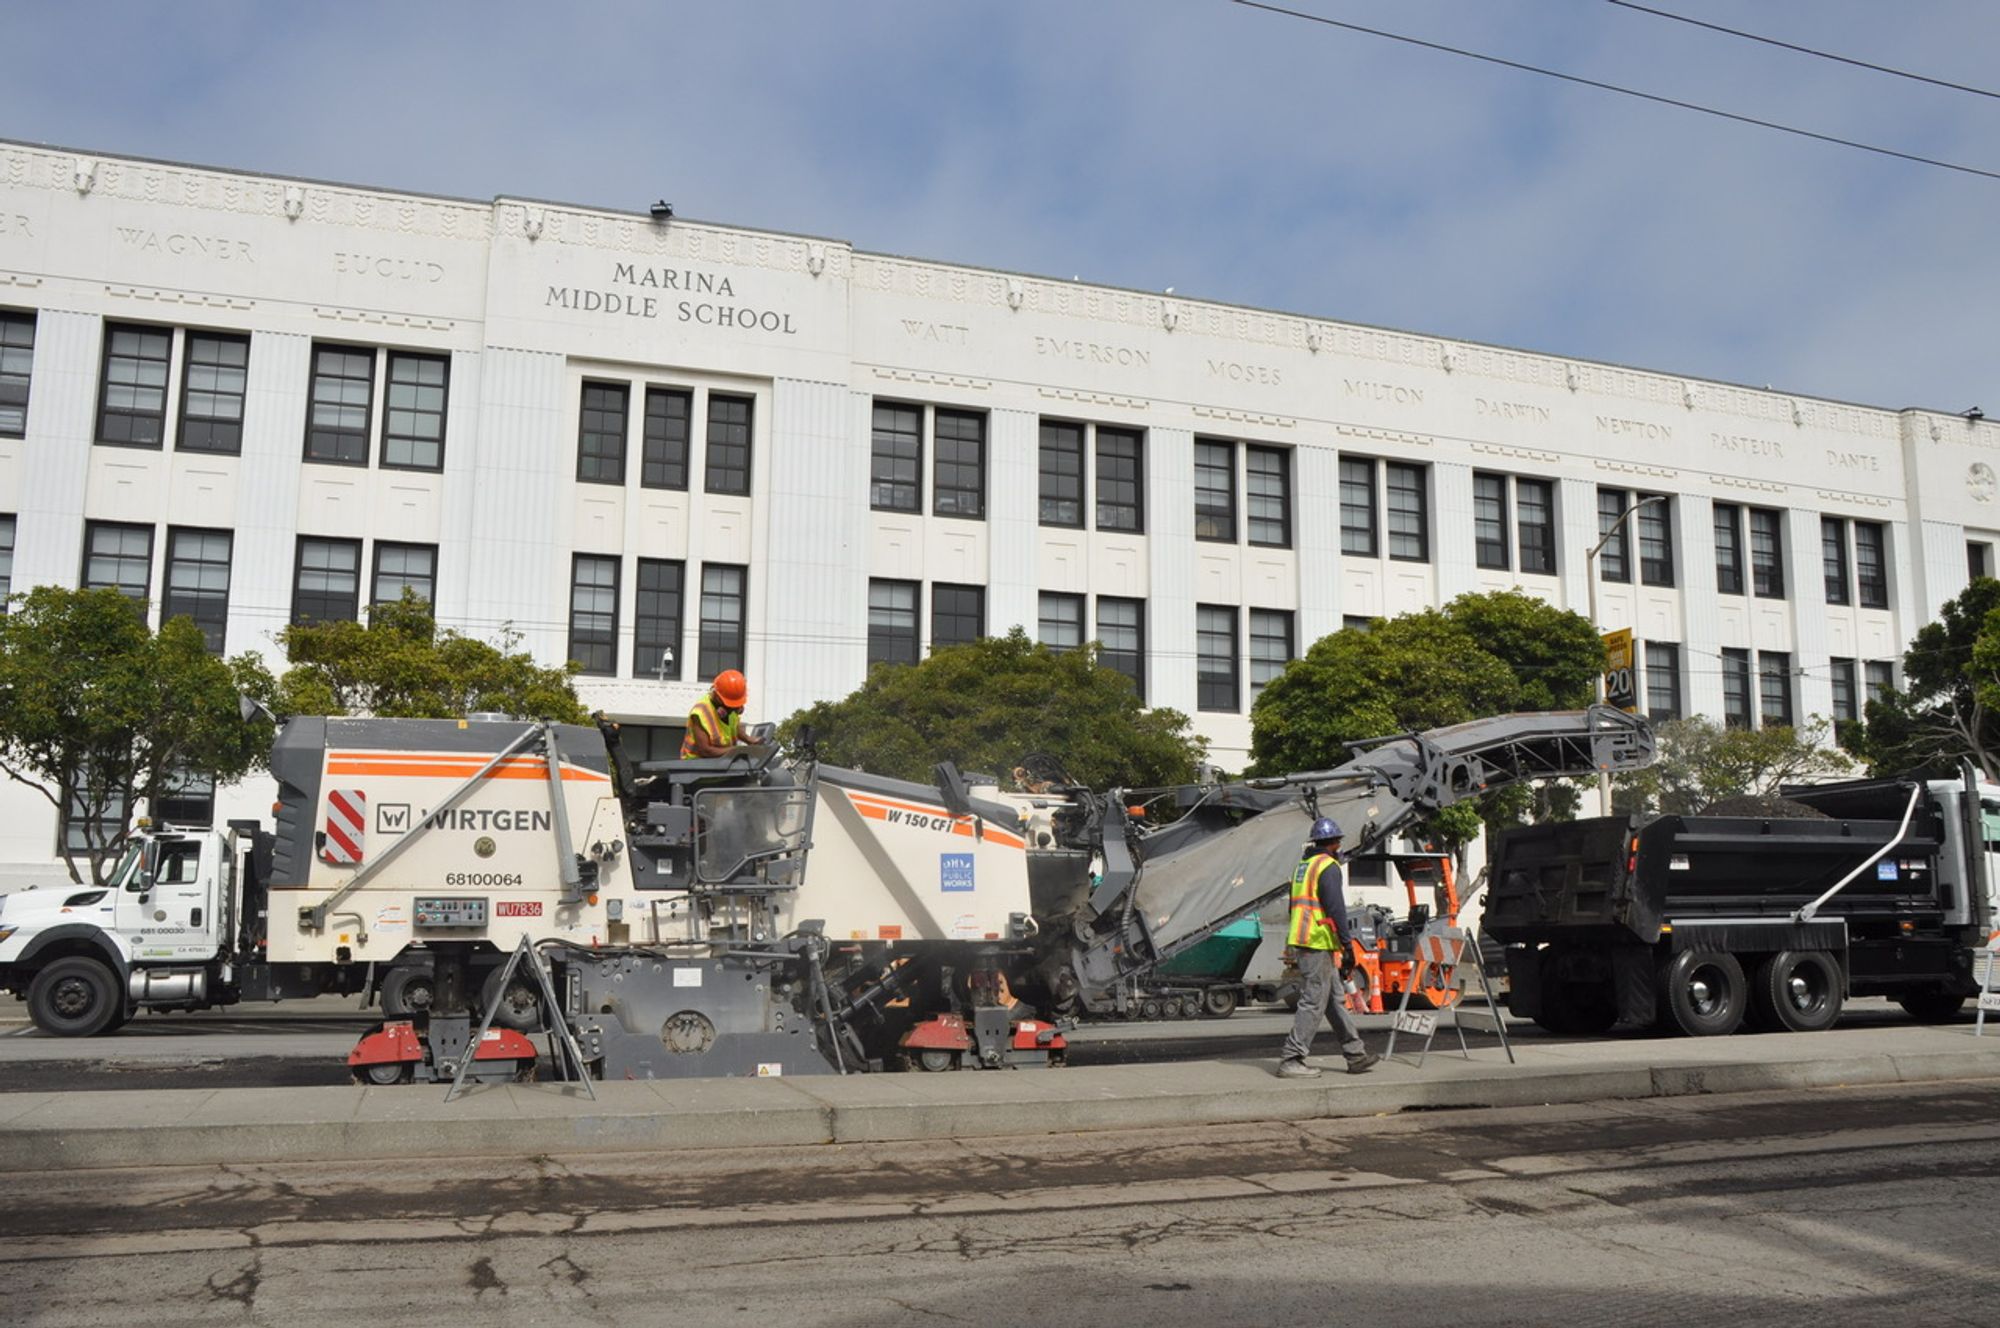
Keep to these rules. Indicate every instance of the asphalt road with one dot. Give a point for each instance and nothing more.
(1806, 1208)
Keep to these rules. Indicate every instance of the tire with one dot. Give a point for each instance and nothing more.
(1796, 991)
(1149, 1008)
(1932, 1005)
(76, 997)
(407, 992)
(522, 1008)
(386, 1073)
(1703, 993)
(1219, 1002)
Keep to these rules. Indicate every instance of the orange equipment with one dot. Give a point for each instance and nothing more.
(1388, 952)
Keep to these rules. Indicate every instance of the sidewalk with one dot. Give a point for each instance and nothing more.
(44, 1131)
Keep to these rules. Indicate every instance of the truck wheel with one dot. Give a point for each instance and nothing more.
(519, 1009)
(1931, 1006)
(1219, 1002)
(76, 997)
(1797, 991)
(407, 991)
(1702, 993)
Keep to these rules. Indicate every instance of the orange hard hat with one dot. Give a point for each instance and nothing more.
(730, 689)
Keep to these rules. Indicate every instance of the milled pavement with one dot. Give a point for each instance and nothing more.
(43, 1131)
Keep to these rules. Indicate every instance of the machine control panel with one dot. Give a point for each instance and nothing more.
(448, 912)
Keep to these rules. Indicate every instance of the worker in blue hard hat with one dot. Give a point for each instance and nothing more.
(1318, 934)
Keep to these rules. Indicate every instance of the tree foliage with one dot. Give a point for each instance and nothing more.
(989, 703)
(402, 665)
(1700, 761)
(1948, 706)
(98, 713)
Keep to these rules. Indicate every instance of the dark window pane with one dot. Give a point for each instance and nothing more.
(1978, 559)
(133, 395)
(1881, 675)
(724, 602)
(958, 487)
(187, 798)
(198, 582)
(1215, 491)
(1663, 680)
(218, 373)
(1489, 521)
(892, 622)
(1357, 510)
(1656, 541)
(17, 362)
(1267, 488)
(1120, 474)
(120, 557)
(1060, 625)
(327, 584)
(1767, 555)
(1613, 564)
(728, 466)
(656, 619)
(1845, 703)
(1409, 514)
(1871, 567)
(1833, 557)
(1774, 687)
(1536, 503)
(413, 419)
(1270, 645)
(6, 559)
(593, 614)
(343, 392)
(1121, 637)
(664, 461)
(958, 614)
(1062, 473)
(1728, 549)
(1736, 689)
(1215, 658)
(600, 443)
(896, 461)
(400, 567)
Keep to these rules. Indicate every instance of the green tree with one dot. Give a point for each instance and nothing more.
(1700, 762)
(989, 703)
(1948, 706)
(402, 665)
(97, 713)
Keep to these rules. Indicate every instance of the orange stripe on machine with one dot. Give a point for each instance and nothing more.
(450, 765)
(921, 817)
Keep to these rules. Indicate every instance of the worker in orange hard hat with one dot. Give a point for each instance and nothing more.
(714, 723)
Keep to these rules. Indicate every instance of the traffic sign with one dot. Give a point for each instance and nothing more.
(1621, 679)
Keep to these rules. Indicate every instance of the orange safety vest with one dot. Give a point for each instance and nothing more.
(1310, 929)
(720, 728)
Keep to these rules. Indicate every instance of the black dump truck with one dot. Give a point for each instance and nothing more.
(1702, 924)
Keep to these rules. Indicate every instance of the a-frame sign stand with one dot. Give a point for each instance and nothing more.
(1439, 963)
(563, 1051)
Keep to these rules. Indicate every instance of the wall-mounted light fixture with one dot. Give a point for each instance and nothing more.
(662, 210)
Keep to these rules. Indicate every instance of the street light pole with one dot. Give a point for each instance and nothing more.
(1590, 582)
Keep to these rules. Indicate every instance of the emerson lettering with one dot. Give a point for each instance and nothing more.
(1092, 352)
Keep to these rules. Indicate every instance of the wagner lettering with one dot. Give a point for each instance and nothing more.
(182, 245)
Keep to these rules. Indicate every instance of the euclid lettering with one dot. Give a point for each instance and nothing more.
(488, 818)
(692, 282)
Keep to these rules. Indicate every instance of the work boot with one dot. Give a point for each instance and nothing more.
(1296, 1070)
(1363, 1063)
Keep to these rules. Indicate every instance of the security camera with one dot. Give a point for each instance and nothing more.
(662, 210)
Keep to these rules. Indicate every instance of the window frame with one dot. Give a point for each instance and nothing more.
(367, 433)
(656, 449)
(1833, 560)
(1220, 520)
(1286, 620)
(728, 645)
(1359, 522)
(1737, 668)
(1493, 551)
(1119, 436)
(1545, 549)
(375, 596)
(213, 622)
(1281, 476)
(1844, 676)
(1047, 599)
(1213, 686)
(1871, 544)
(1076, 450)
(1767, 567)
(718, 453)
(1655, 522)
(393, 356)
(1730, 567)
(1614, 562)
(9, 533)
(897, 641)
(956, 614)
(298, 572)
(11, 348)
(105, 411)
(91, 529)
(972, 498)
(608, 646)
(599, 458)
(1421, 509)
(1671, 664)
(662, 642)
(1115, 658)
(878, 478)
(182, 430)
(1782, 674)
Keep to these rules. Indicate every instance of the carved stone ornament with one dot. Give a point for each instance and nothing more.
(1690, 394)
(532, 222)
(83, 174)
(1314, 340)
(295, 201)
(1570, 376)
(1447, 358)
(1015, 293)
(815, 258)
(1170, 317)
(1980, 482)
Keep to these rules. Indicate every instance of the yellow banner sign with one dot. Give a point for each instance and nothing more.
(1621, 679)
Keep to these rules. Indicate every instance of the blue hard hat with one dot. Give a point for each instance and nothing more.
(1326, 828)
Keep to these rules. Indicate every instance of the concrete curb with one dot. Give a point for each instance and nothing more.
(44, 1131)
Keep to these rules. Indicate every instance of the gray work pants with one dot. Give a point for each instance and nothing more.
(1319, 993)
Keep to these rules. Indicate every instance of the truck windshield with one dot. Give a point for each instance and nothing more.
(126, 875)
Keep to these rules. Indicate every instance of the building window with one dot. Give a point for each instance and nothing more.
(1663, 680)
(1120, 478)
(198, 582)
(1489, 521)
(1728, 549)
(1268, 491)
(1833, 557)
(1774, 687)
(1978, 556)
(600, 439)
(81, 830)
(400, 567)
(1357, 510)
(6, 559)
(1215, 657)
(892, 622)
(1214, 491)
(343, 394)
(1121, 636)
(593, 614)
(958, 484)
(1613, 562)
(413, 426)
(120, 557)
(656, 619)
(1356, 622)
(1845, 705)
(1656, 541)
(133, 396)
(218, 374)
(1060, 625)
(958, 615)
(1534, 501)
(1270, 645)
(1871, 566)
(663, 458)
(17, 363)
(1409, 514)
(896, 464)
(1881, 675)
(326, 587)
(724, 604)
(1736, 689)
(186, 798)
(1767, 554)
(728, 466)
(1062, 473)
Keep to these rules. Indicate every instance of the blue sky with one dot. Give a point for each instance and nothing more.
(1228, 153)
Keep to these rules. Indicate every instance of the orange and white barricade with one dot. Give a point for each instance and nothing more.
(1446, 960)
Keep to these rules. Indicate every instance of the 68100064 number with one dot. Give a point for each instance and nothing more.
(477, 879)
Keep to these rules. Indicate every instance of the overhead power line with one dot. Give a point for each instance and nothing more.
(1805, 50)
(1622, 91)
